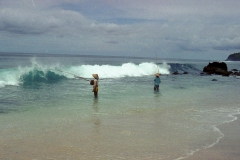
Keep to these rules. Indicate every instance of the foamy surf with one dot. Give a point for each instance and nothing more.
(125, 70)
(48, 73)
(9, 78)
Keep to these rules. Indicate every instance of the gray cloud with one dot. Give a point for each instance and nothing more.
(121, 27)
(39, 22)
(227, 44)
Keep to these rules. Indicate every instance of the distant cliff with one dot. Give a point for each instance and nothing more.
(234, 57)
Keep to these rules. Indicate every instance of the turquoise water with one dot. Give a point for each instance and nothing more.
(47, 113)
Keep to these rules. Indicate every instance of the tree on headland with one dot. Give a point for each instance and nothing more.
(234, 57)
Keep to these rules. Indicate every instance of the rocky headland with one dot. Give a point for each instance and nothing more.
(234, 57)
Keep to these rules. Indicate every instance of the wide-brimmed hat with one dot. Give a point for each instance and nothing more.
(95, 76)
(157, 74)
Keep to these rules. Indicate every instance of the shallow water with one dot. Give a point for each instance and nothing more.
(60, 118)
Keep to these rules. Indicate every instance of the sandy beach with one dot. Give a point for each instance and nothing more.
(228, 147)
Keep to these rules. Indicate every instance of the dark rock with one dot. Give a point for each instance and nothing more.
(216, 68)
(202, 74)
(214, 80)
(219, 68)
(220, 71)
(226, 74)
(236, 73)
(175, 73)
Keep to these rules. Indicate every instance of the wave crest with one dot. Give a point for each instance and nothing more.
(125, 70)
(39, 76)
(38, 73)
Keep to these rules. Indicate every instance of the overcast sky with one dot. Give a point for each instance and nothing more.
(189, 29)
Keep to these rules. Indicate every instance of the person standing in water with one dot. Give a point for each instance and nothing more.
(157, 81)
(95, 85)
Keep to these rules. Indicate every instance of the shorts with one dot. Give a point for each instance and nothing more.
(156, 86)
(96, 89)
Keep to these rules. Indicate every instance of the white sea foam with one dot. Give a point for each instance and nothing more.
(8, 78)
(12, 77)
(125, 70)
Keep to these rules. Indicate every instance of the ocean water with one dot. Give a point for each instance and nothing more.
(48, 113)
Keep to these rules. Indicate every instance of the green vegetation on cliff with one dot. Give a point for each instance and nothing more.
(234, 57)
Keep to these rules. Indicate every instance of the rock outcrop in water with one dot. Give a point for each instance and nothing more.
(234, 57)
(220, 68)
(235, 72)
(217, 68)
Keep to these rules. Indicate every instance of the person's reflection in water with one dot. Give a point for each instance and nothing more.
(96, 132)
(95, 107)
(157, 94)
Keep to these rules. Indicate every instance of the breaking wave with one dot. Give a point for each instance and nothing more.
(38, 73)
(36, 76)
(125, 70)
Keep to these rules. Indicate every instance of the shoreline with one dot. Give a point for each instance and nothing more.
(228, 147)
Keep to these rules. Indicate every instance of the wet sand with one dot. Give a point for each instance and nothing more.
(228, 147)
(118, 137)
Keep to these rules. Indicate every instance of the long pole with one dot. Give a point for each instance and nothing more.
(156, 55)
(74, 75)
